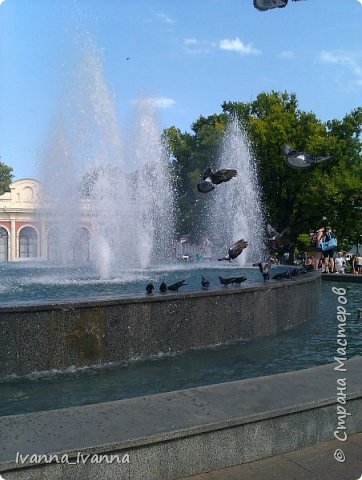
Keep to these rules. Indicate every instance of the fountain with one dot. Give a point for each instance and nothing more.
(114, 199)
(236, 210)
(106, 216)
(106, 212)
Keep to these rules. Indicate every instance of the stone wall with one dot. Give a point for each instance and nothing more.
(56, 336)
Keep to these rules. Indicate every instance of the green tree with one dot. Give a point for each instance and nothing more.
(298, 199)
(346, 204)
(6, 177)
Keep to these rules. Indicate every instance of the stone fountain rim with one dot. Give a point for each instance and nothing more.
(156, 297)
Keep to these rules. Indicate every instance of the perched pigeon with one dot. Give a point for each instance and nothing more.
(281, 275)
(264, 269)
(235, 250)
(301, 271)
(238, 280)
(163, 287)
(175, 286)
(308, 268)
(298, 159)
(150, 288)
(210, 179)
(204, 282)
(226, 281)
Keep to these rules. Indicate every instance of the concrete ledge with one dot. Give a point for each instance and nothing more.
(172, 435)
(47, 336)
(342, 277)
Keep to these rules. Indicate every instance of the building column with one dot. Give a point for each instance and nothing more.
(12, 253)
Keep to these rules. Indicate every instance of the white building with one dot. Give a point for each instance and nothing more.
(26, 231)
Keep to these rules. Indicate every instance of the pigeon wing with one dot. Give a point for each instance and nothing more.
(288, 150)
(319, 159)
(223, 175)
(271, 232)
(236, 249)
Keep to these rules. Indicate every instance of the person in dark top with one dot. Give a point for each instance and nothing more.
(329, 247)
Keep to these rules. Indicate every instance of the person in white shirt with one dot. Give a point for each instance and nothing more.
(340, 263)
(357, 263)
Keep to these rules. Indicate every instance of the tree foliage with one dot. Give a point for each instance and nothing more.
(6, 177)
(298, 199)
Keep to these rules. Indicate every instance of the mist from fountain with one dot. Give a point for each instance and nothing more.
(118, 193)
(235, 209)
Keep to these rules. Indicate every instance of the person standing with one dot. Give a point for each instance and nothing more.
(357, 263)
(328, 245)
(340, 263)
(315, 240)
(206, 247)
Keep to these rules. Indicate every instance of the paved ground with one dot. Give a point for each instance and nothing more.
(314, 463)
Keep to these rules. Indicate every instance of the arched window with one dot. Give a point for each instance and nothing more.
(81, 250)
(4, 239)
(28, 243)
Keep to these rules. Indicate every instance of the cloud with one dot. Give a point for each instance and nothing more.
(164, 18)
(238, 46)
(195, 46)
(350, 61)
(191, 41)
(2, 1)
(161, 102)
(287, 54)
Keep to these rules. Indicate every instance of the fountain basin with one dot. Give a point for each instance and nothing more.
(58, 335)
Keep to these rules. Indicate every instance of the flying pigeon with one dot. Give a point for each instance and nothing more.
(263, 5)
(272, 234)
(297, 159)
(264, 269)
(163, 287)
(235, 250)
(204, 282)
(210, 179)
(149, 288)
(175, 286)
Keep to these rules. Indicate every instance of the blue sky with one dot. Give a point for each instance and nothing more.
(188, 55)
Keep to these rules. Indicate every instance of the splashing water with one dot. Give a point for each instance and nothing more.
(236, 210)
(116, 196)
